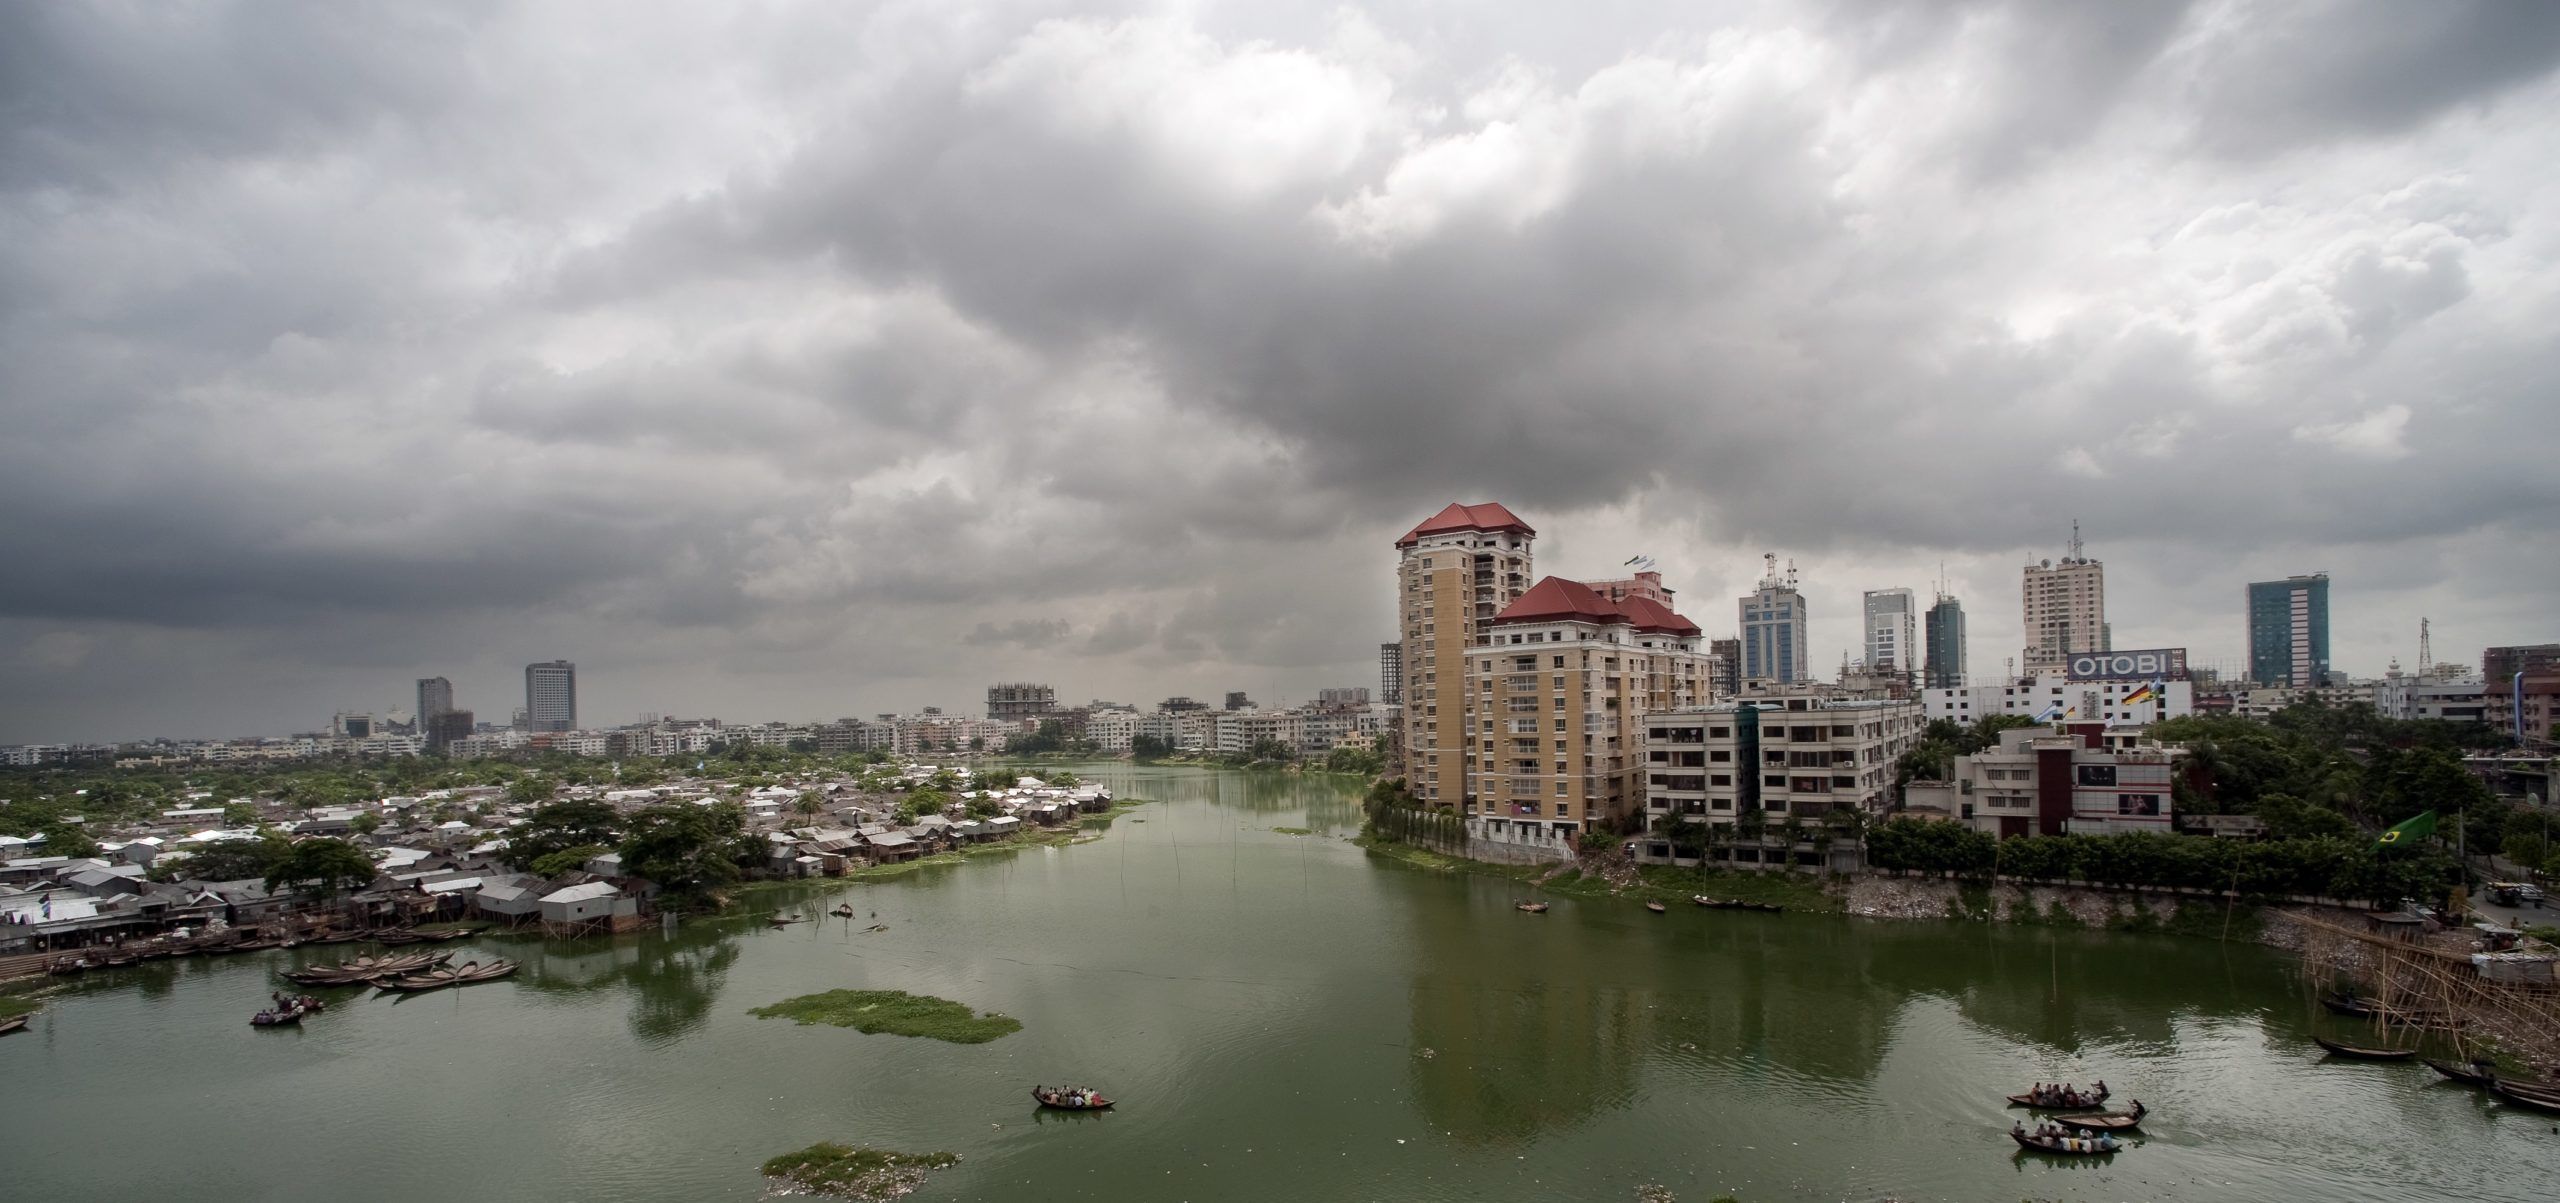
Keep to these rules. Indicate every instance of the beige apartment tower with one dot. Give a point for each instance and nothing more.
(1562, 680)
(2065, 610)
(1454, 573)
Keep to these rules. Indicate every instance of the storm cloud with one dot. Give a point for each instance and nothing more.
(810, 360)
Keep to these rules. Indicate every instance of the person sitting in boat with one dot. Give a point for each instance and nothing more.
(2100, 1086)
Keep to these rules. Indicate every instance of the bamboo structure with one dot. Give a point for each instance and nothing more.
(2436, 989)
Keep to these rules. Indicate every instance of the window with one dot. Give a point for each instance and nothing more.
(1559, 664)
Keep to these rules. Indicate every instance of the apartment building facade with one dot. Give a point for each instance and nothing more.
(1558, 693)
(1455, 571)
(1760, 760)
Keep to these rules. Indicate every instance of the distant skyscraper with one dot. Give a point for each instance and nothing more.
(1893, 631)
(1774, 646)
(1391, 673)
(1946, 644)
(1020, 701)
(551, 696)
(2289, 631)
(435, 696)
(2065, 610)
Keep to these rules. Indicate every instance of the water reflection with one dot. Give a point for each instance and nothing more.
(672, 980)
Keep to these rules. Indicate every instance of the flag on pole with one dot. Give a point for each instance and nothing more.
(2141, 695)
(2409, 829)
(2051, 713)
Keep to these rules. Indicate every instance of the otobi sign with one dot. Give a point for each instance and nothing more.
(2154, 664)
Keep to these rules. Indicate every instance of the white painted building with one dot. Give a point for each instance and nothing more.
(2038, 698)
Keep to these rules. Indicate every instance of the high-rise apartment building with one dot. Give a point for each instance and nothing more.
(2065, 610)
(1893, 632)
(1946, 644)
(1774, 645)
(435, 696)
(2289, 631)
(1728, 654)
(1454, 573)
(1558, 690)
(1020, 701)
(551, 696)
(1391, 673)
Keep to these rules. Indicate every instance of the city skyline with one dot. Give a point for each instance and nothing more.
(767, 386)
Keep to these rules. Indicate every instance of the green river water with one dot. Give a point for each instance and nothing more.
(1286, 1017)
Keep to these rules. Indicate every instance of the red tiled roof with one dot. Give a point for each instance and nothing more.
(1484, 516)
(1651, 615)
(1555, 599)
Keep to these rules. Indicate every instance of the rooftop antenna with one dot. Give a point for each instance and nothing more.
(2426, 653)
(1791, 572)
(2075, 541)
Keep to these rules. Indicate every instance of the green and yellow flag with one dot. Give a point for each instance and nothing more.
(2410, 829)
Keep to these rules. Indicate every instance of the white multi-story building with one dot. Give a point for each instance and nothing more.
(1892, 632)
(1784, 754)
(2058, 780)
(2408, 697)
(2050, 696)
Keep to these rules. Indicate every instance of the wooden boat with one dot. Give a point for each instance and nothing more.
(1656, 907)
(288, 1017)
(2066, 1146)
(14, 1023)
(1534, 908)
(1764, 907)
(2358, 1007)
(785, 920)
(2473, 1074)
(2073, 1099)
(842, 912)
(2358, 1053)
(2537, 1098)
(2110, 1121)
(486, 973)
(1713, 904)
(1058, 1100)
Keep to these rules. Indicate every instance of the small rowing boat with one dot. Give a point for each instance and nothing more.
(14, 1023)
(1534, 908)
(2068, 1098)
(2108, 1121)
(1656, 907)
(1070, 1099)
(2362, 1053)
(2066, 1146)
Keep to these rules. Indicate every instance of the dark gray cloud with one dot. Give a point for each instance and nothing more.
(810, 360)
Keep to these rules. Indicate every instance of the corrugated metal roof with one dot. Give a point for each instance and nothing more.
(593, 889)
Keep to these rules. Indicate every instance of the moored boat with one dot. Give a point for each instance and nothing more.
(2108, 1121)
(2364, 1053)
(2537, 1098)
(1656, 907)
(2474, 1074)
(1534, 908)
(14, 1023)
(1070, 1099)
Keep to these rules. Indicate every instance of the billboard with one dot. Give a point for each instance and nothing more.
(2159, 663)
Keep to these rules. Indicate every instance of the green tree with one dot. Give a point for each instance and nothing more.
(690, 851)
(67, 840)
(364, 824)
(566, 860)
(1149, 747)
(529, 791)
(567, 824)
(326, 865)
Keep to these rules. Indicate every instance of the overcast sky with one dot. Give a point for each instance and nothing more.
(794, 361)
